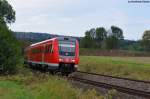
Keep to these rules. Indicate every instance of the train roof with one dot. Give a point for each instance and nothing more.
(66, 38)
(42, 42)
(59, 38)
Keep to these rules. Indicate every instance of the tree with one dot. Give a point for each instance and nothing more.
(117, 32)
(92, 33)
(146, 35)
(101, 35)
(87, 41)
(146, 40)
(88, 34)
(10, 51)
(7, 14)
(114, 38)
(100, 38)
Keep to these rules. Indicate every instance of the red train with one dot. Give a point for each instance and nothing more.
(57, 54)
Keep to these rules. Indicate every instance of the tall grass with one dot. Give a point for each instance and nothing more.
(41, 86)
(123, 67)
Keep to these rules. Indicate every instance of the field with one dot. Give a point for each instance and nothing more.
(120, 53)
(35, 85)
(28, 85)
(129, 67)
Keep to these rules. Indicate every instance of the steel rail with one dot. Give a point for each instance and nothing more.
(129, 79)
(109, 86)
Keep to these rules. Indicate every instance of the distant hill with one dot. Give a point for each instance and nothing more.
(37, 37)
(32, 37)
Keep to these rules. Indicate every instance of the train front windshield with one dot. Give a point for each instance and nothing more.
(66, 48)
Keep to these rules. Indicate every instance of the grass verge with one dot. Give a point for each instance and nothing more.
(41, 86)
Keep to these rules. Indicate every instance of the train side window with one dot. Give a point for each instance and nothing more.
(46, 49)
(36, 50)
(50, 48)
(33, 51)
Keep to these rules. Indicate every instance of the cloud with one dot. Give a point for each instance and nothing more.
(74, 17)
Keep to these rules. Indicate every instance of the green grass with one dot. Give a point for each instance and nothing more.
(41, 86)
(11, 90)
(28, 85)
(130, 67)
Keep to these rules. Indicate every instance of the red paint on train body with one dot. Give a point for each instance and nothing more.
(57, 54)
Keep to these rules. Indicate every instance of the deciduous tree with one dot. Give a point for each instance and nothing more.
(10, 51)
(7, 13)
(101, 35)
(146, 40)
(114, 38)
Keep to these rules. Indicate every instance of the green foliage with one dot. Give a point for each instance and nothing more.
(101, 34)
(92, 33)
(11, 90)
(113, 39)
(112, 94)
(87, 41)
(98, 38)
(112, 42)
(146, 35)
(43, 86)
(94, 38)
(24, 44)
(117, 32)
(90, 94)
(7, 14)
(146, 40)
(10, 53)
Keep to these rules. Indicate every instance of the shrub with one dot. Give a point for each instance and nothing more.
(10, 52)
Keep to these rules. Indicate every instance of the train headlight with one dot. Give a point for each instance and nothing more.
(73, 60)
(60, 59)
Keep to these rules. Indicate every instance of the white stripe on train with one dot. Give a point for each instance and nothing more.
(49, 64)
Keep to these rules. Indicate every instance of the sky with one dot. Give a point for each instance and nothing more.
(74, 17)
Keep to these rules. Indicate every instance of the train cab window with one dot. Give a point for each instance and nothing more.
(66, 48)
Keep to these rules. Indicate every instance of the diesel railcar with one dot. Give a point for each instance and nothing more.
(59, 54)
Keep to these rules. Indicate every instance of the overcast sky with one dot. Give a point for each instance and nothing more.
(74, 17)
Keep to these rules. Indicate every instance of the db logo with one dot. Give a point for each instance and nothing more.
(67, 60)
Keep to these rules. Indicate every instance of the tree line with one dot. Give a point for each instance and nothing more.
(100, 38)
(113, 38)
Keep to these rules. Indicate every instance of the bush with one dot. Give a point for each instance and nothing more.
(10, 52)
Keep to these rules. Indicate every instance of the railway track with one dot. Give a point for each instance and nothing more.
(119, 88)
(140, 81)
